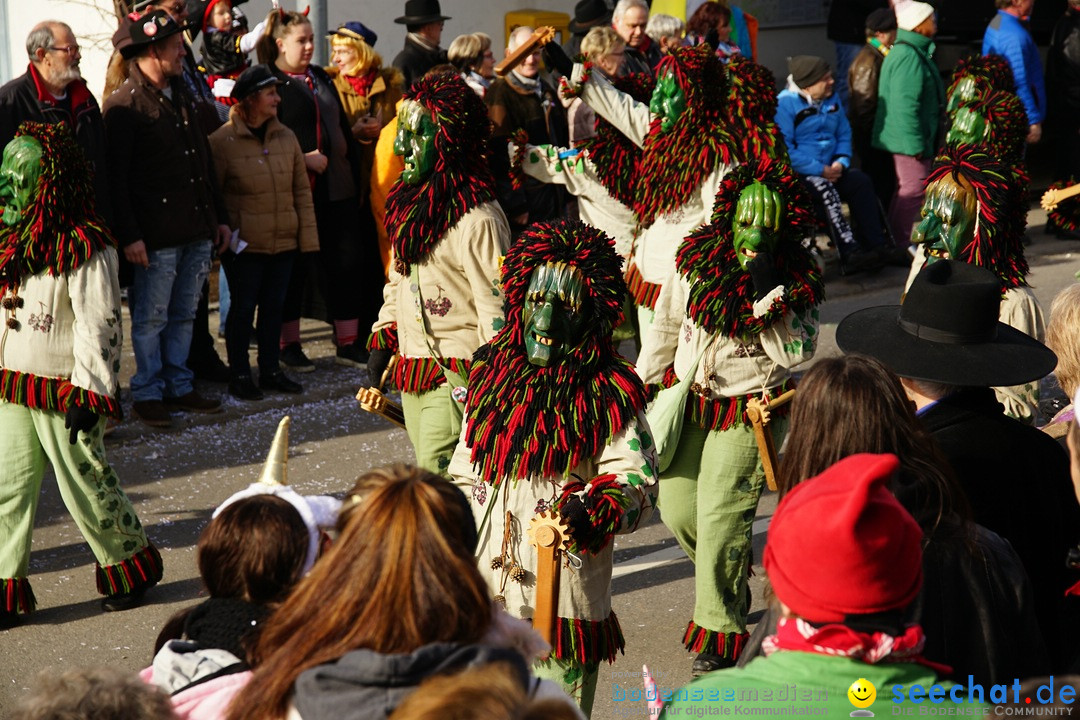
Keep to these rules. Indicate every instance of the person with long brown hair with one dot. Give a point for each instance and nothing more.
(976, 604)
(396, 599)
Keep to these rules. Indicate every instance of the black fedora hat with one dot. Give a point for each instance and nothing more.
(148, 30)
(589, 14)
(421, 12)
(947, 331)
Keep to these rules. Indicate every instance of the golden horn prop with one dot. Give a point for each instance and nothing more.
(276, 468)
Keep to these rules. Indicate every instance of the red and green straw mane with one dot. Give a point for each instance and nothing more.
(998, 241)
(61, 229)
(752, 108)
(675, 163)
(525, 421)
(616, 157)
(1007, 125)
(419, 216)
(991, 71)
(721, 292)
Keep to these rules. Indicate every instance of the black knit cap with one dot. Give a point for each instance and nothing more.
(881, 20)
(807, 69)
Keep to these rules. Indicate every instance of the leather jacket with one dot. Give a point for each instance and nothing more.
(863, 83)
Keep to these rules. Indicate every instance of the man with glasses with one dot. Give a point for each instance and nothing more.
(53, 91)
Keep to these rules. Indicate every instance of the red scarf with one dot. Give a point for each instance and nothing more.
(836, 639)
(361, 84)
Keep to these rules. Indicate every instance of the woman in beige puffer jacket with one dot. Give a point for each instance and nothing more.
(261, 171)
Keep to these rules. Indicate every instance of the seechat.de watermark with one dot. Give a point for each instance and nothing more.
(1008, 700)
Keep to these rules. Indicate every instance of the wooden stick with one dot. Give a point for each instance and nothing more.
(541, 36)
(549, 535)
(1052, 198)
(758, 412)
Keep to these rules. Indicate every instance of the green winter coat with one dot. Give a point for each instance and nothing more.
(802, 680)
(911, 98)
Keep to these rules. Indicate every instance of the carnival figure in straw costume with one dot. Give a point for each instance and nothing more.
(739, 313)
(555, 421)
(975, 212)
(61, 353)
(443, 299)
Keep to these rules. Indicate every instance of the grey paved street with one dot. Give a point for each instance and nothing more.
(176, 479)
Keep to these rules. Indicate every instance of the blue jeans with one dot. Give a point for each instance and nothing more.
(166, 296)
(224, 300)
(845, 54)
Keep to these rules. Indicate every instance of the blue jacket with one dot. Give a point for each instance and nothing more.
(816, 135)
(1007, 36)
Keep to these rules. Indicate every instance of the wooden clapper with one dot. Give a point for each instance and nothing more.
(758, 412)
(372, 400)
(550, 535)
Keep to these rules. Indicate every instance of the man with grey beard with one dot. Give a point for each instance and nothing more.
(53, 91)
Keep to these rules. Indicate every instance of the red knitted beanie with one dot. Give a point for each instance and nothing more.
(841, 544)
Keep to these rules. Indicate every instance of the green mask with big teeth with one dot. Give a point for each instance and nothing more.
(415, 141)
(948, 220)
(552, 316)
(756, 224)
(19, 174)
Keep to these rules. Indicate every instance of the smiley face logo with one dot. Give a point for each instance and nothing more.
(862, 694)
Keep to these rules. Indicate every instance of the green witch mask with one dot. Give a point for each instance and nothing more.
(668, 101)
(966, 91)
(756, 225)
(552, 318)
(19, 174)
(968, 127)
(415, 141)
(948, 220)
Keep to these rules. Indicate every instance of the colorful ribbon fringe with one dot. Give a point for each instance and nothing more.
(589, 641)
(141, 570)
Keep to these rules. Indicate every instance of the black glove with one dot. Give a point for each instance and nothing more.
(575, 514)
(79, 418)
(376, 364)
(556, 58)
(762, 274)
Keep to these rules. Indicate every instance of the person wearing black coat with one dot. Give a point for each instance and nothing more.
(423, 19)
(47, 93)
(1017, 481)
(847, 19)
(1063, 91)
(949, 350)
(347, 272)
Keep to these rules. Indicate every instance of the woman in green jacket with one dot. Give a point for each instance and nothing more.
(911, 100)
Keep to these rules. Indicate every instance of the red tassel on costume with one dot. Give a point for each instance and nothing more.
(17, 594)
